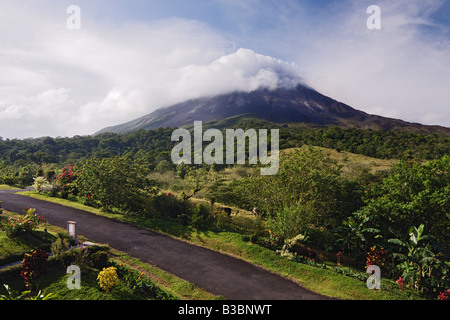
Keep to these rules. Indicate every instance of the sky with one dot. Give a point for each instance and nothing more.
(66, 72)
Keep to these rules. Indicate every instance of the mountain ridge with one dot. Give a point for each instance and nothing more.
(300, 104)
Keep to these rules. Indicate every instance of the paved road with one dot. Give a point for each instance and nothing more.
(217, 273)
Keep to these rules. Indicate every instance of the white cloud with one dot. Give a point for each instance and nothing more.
(399, 71)
(63, 82)
(243, 70)
(60, 82)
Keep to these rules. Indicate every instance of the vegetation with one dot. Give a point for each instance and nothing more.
(327, 214)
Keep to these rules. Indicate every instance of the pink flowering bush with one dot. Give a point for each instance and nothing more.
(66, 180)
(15, 227)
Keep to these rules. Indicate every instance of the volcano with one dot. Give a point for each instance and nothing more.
(300, 104)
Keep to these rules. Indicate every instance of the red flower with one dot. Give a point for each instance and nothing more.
(400, 283)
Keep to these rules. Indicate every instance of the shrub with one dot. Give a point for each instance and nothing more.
(169, 207)
(322, 239)
(140, 283)
(117, 182)
(60, 246)
(89, 200)
(99, 259)
(377, 256)
(201, 216)
(39, 184)
(33, 267)
(108, 279)
(29, 222)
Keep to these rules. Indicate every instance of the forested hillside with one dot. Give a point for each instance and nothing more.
(149, 144)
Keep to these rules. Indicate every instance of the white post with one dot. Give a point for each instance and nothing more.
(72, 229)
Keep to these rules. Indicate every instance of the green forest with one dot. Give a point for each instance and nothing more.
(397, 218)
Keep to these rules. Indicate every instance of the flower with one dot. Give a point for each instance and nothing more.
(400, 283)
(445, 295)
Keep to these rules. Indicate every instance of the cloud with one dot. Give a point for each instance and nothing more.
(243, 70)
(62, 82)
(399, 71)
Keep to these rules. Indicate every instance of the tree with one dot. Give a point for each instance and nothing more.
(412, 194)
(305, 178)
(116, 182)
(288, 221)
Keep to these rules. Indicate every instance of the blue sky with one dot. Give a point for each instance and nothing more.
(131, 57)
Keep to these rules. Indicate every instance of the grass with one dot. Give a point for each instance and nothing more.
(351, 161)
(56, 282)
(177, 287)
(323, 281)
(6, 187)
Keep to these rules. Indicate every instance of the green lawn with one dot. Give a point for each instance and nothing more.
(322, 281)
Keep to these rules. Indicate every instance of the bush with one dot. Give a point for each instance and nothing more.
(65, 250)
(322, 239)
(39, 184)
(140, 283)
(66, 181)
(99, 259)
(169, 207)
(201, 216)
(377, 256)
(108, 279)
(33, 268)
(62, 243)
(15, 227)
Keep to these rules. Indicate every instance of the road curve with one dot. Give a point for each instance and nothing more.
(217, 273)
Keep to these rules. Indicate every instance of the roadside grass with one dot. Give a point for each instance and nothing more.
(177, 287)
(323, 281)
(7, 187)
